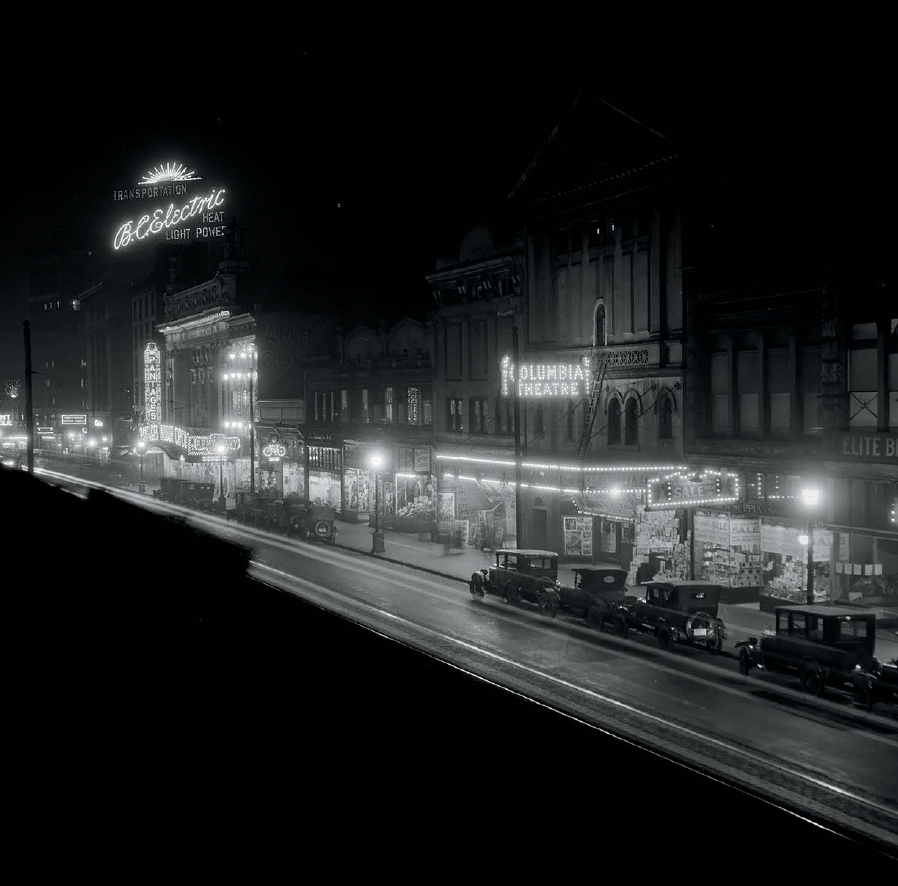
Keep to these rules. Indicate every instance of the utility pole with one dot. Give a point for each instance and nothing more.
(252, 423)
(518, 449)
(29, 406)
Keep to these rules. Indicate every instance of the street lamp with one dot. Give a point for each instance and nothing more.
(376, 463)
(221, 449)
(810, 498)
(141, 446)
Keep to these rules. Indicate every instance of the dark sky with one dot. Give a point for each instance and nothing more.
(412, 140)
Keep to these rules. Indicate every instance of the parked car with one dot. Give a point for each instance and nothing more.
(188, 493)
(674, 612)
(521, 576)
(825, 645)
(596, 594)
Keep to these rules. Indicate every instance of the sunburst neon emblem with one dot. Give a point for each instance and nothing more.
(169, 173)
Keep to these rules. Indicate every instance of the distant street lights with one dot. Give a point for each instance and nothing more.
(376, 463)
(141, 446)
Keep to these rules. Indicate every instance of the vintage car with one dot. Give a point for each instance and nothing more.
(674, 611)
(595, 594)
(879, 684)
(521, 576)
(825, 645)
(292, 516)
(188, 493)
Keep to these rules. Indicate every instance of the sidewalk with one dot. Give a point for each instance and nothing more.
(459, 564)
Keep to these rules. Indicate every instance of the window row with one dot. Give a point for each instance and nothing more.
(393, 404)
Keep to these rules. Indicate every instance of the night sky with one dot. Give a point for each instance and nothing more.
(352, 171)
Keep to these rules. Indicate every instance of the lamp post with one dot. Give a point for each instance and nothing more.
(375, 462)
(810, 497)
(141, 446)
(221, 449)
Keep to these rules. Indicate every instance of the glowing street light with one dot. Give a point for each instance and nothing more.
(810, 497)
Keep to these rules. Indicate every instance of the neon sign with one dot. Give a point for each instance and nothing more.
(274, 450)
(208, 445)
(6, 420)
(152, 376)
(170, 173)
(146, 225)
(684, 489)
(547, 379)
(74, 419)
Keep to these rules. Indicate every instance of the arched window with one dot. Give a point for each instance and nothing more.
(614, 422)
(570, 419)
(631, 434)
(665, 419)
(600, 335)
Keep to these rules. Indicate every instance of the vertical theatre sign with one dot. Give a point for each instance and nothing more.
(152, 376)
(183, 217)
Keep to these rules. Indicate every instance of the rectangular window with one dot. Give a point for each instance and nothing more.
(720, 393)
(747, 382)
(366, 415)
(864, 391)
(427, 407)
(478, 350)
(454, 416)
(478, 415)
(779, 385)
(389, 411)
(344, 405)
(809, 386)
(453, 350)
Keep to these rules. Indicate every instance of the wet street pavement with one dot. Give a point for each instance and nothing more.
(826, 756)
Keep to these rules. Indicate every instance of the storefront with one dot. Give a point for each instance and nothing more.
(324, 470)
(415, 490)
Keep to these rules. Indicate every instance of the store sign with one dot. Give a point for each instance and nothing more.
(6, 420)
(274, 450)
(745, 532)
(198, 218)
(208, 445)
(680, 490)
(867, 447)
(537, 380)
(422, 461)
(74, 420)
(714, 531)
(152, 377)
(98, 422)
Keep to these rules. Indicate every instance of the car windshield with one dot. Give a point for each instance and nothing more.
(428, 328)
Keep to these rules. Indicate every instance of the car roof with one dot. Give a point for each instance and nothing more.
(817, 609)
(529, 553)
(679, 583)
(586, 570)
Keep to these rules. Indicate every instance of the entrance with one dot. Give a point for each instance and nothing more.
(539, 531)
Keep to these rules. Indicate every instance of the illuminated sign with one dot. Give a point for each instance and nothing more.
(165, 434)
(274, 450)
(208, 445)
(569, 380)
(152, 377)
(170, 181)
(5, 420)
(683, 489)
(98, 422)
(74, 419)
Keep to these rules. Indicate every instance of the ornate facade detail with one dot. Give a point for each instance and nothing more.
(627, 357)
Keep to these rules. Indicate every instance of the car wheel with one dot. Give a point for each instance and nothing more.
(547, 607)
(595, 618)
(511, 594)
(664, 639)
(620, 627)
(812, 680)
(744, 662)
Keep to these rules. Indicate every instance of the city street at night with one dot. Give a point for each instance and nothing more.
(823, 756)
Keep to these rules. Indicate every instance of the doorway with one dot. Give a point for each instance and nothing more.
(539, 533)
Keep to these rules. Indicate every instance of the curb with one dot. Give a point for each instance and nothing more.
(385, 559)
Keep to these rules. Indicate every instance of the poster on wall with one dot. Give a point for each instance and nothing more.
(745, 532)
(293, 479)
(714, 531)
(782, 540)
(511, 519)
(422, 461)
(445, 512)
(577, 536)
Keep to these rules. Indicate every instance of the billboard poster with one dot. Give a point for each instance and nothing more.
(745, 532)
(445, 512)
(714, 531)
(577, 536)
